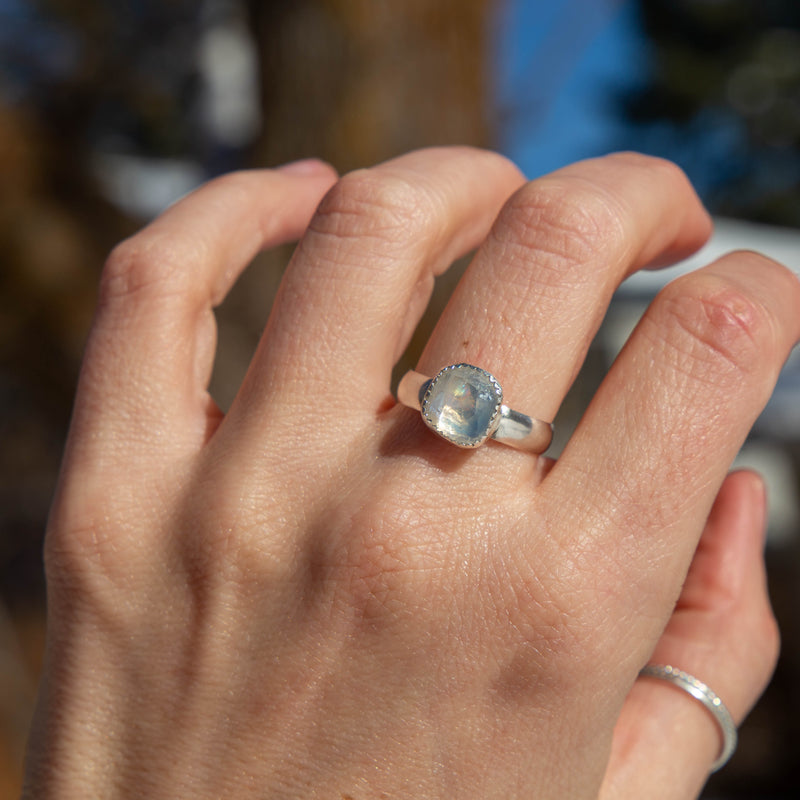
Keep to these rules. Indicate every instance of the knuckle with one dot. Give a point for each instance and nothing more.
(369, 205)
(148, 265)
(568, 227)
(231, 183)
(660, 168)
(241, 532)
(76, 558)
(382, 569)
(717, 329)
(243, 552)
(90, 561)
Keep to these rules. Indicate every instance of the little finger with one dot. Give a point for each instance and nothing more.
(722, 632)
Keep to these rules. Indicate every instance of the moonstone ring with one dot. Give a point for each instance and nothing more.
(464, 404)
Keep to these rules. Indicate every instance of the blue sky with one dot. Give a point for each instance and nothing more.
(558, 68)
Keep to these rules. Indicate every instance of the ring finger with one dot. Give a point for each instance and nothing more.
(534, 296)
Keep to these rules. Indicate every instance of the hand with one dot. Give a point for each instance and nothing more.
(313, 595)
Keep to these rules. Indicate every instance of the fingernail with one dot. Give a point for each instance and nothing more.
(305, 166)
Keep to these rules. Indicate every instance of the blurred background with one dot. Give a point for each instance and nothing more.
(112, 109)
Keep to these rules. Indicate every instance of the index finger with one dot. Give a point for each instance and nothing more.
(150, 350)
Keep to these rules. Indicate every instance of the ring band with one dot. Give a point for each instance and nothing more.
(464, 404)
(699, 691)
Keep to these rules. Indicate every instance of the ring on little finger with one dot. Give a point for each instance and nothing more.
(709, 700)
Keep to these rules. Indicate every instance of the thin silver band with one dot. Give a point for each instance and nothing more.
(700, 692)
(515, 429)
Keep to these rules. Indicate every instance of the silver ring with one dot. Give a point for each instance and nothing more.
(464, 404)
(699, 691)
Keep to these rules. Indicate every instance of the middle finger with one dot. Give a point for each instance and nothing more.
(360, 279)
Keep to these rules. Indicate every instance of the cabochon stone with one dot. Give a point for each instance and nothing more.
(462, 404)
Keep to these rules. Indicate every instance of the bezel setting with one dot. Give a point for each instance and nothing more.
(462, 404)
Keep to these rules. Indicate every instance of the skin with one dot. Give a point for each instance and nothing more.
(314, 596)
